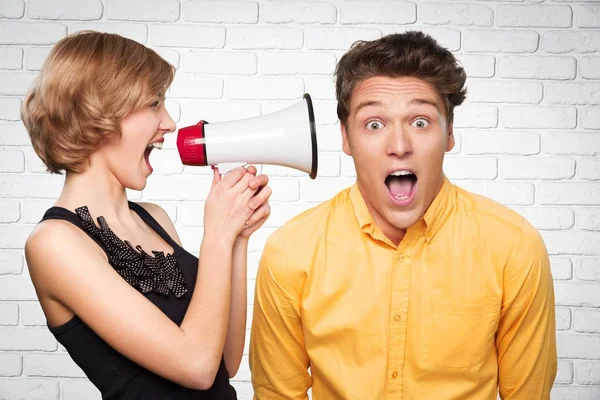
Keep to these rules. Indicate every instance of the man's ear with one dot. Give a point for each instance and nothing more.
(345, 140)
(451, 142)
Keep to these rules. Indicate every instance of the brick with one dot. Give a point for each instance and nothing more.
(193, 111)
(12, 9)
(528, 167)
(588, 218)
(210, 37)
(33, 161)
(580, 294)
(562, 269)
(589, 67)
(13, 134)
(174, 110)
(240, 12)
(325, 38)
(563, 318)
(284, 189)
(11, 58)
(548, 217)
(322, 87)
(9, 314)
(166, 162)
(456, 14)
(534, 16)
(446, 37)
(577, 41)
(486, 91)
(572, 242)
(590, 117)
(329, 138)
(588, 269)
(177, 188)
(10, 108)
(192, 213)
(65, 9)
(39, 186)
(292, 62)
(564, 373)
(478, 66)
(220, 62)
(264, 37)
(13, 236)
(142, 10)
(34, 339)
(17, 288)
(587, 16)
(301, 12)
(16, 83)
(11, 263)
(279, 87)
(476, 116)
(12, 161)
(574, 392)
(572, 93)
(501, 142)
(537, 67)
(10, 210)
(583, 193)
(571, 143)
(193, 86)
(325, 112)
(521, 117)
(32, 314)
(244, 390)
(588, 373)
(348, 167)
(79, 389)
(380, 12)
(586, 321)
(457, 167)
(51, 365)
(11, 364)
(507, 193)
(315, 191)
(29, 389)
(31, 32)
(500, 41)
(589, 168)
(137, 32)
(35, 57)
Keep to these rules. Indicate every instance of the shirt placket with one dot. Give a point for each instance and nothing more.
(398, 317)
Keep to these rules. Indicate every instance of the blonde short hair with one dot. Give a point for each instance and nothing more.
(89, 82)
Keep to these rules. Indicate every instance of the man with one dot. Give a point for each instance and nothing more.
(403, 286)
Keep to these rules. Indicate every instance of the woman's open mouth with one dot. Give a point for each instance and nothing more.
(149, 148)
(402, 186)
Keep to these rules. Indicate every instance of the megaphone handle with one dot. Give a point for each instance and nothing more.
(224, 168)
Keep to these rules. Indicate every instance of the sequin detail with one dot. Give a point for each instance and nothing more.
(142, 271)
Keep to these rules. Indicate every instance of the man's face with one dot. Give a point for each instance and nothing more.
(397, 135)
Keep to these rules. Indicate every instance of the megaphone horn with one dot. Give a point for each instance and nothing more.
(286, 138)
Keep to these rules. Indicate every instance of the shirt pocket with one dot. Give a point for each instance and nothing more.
(459, 332)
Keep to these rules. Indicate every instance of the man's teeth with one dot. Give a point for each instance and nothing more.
(157, 145)
(401, 198)
(401, 173)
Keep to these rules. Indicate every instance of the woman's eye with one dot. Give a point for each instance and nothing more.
(374, 125)
(420, 123)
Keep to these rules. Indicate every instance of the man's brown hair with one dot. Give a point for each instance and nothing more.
(89, 82)
(413, 54)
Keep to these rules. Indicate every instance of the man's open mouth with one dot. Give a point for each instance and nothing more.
(401, 184)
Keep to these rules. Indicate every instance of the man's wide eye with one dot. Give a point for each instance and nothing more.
(420, 123)
(374, 125)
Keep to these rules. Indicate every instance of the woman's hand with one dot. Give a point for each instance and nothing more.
(260, 204)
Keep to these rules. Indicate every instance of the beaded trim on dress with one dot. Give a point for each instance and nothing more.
(142, 271)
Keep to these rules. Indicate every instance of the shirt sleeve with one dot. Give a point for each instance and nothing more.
(278, 358)
(526, 339)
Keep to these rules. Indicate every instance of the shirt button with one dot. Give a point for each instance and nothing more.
(429, 233)
(401, 258)
(397, 317)
(395, 375)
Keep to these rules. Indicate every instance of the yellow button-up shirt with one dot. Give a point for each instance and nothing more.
(462, 308)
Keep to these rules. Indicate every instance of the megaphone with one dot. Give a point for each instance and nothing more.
(286, 138)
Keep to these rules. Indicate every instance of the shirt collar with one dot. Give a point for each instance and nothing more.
(434, 217)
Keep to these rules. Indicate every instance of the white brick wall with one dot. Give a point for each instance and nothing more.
(529, 136)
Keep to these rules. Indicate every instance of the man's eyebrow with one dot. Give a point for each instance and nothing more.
(424, 100)
(368, 103)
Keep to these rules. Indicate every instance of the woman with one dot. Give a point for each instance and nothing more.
(142, 317)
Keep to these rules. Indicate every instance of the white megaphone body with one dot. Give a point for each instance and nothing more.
(286, 138)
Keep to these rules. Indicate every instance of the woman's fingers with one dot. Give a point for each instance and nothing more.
(260, 198)
(258, 181)
(262, 213)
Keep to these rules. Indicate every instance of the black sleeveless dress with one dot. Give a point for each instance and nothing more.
(167, 281)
